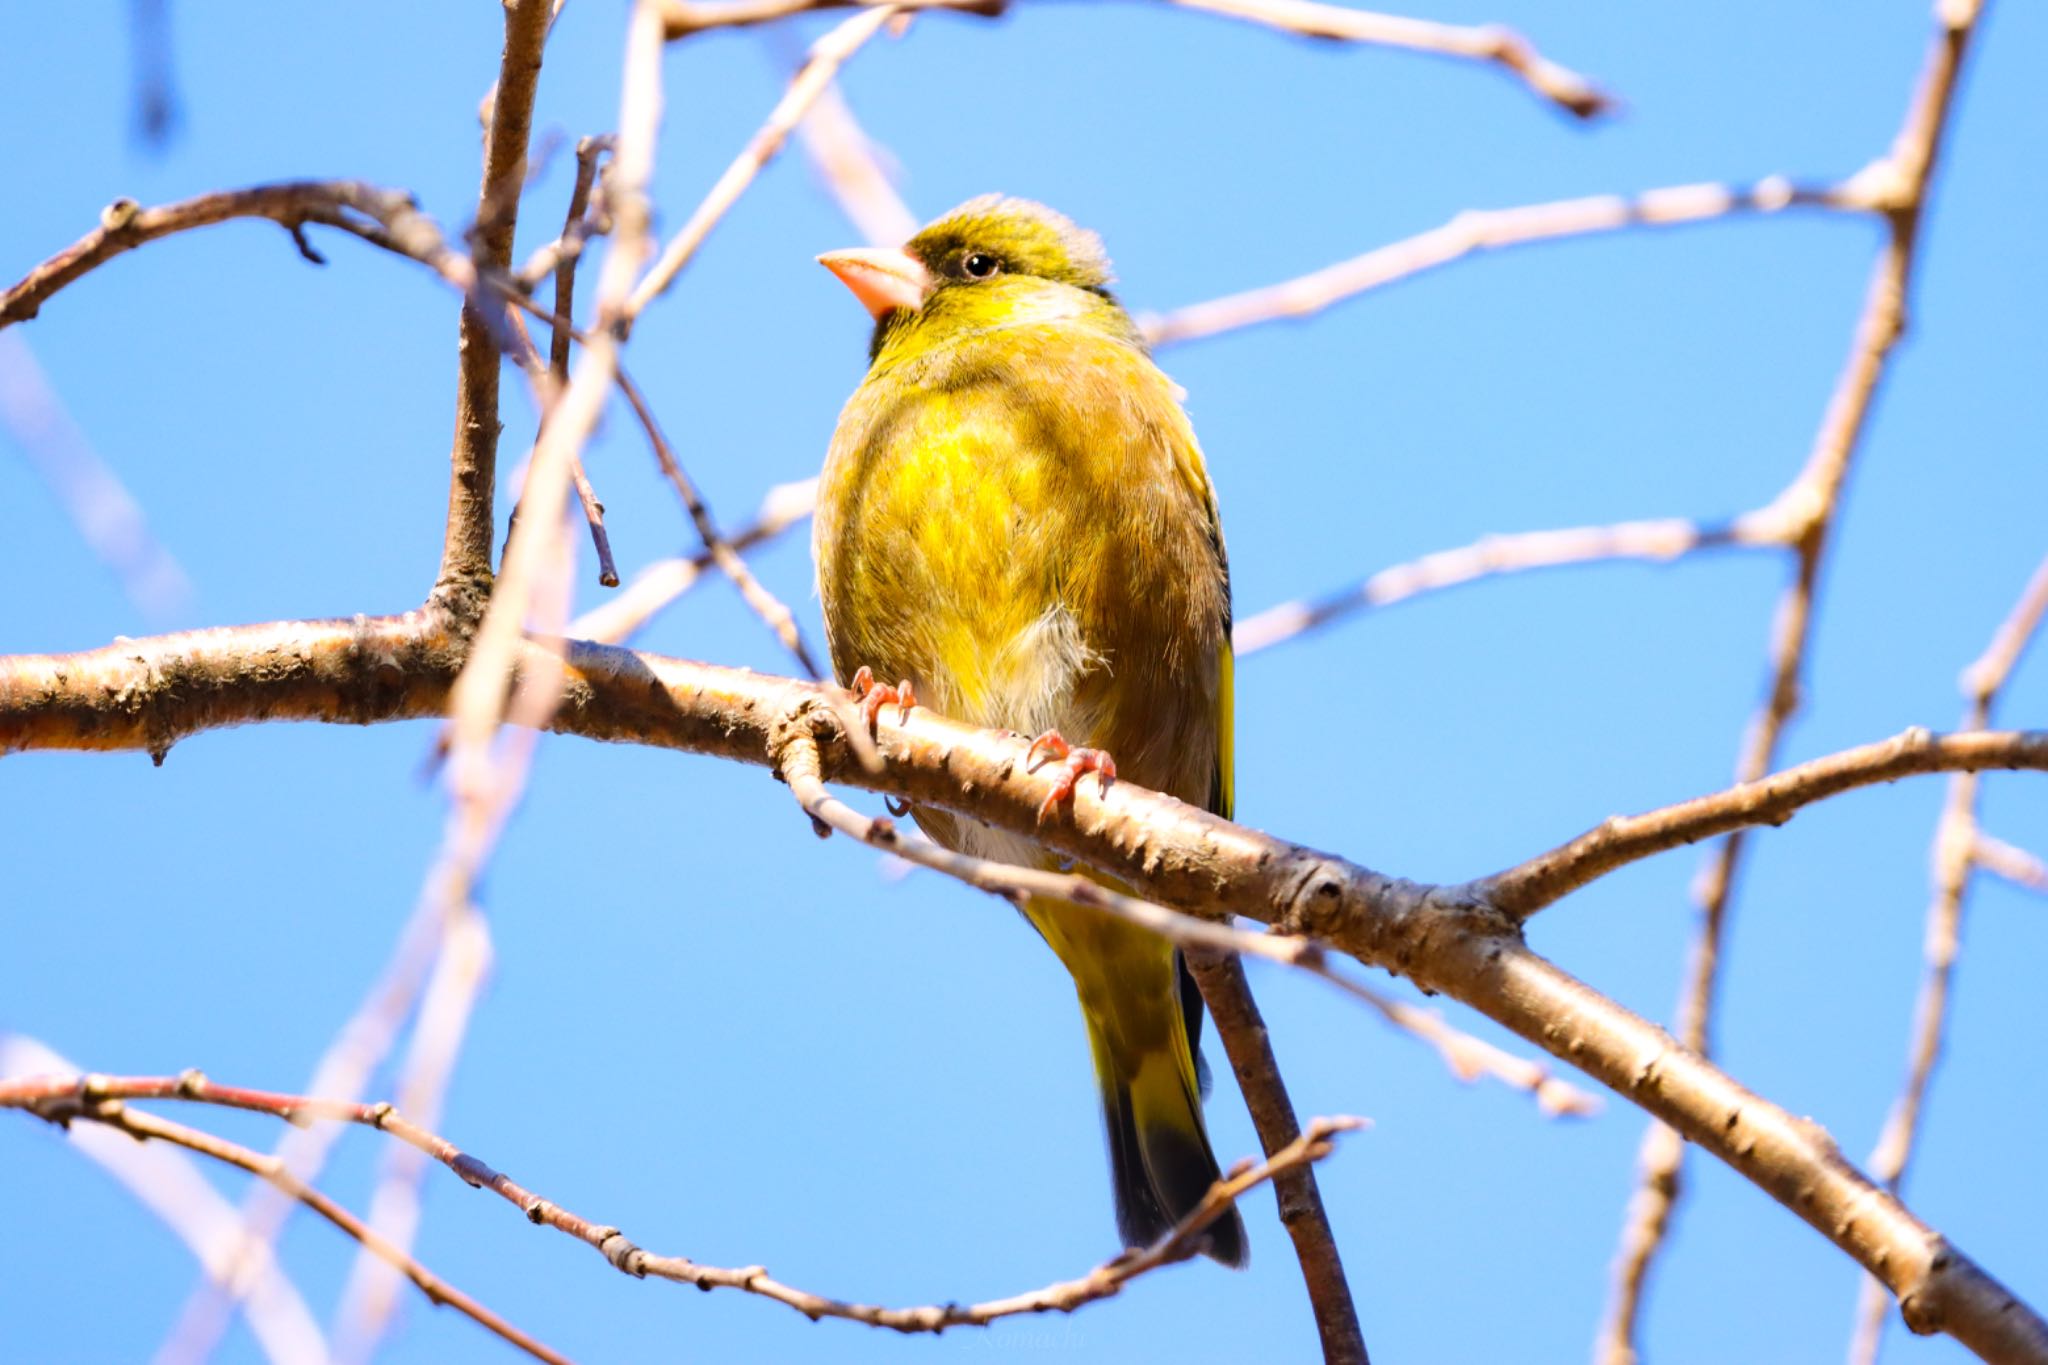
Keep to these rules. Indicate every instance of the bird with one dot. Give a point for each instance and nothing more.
(1015, 520)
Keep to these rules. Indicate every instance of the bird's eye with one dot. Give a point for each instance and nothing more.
(980, 265)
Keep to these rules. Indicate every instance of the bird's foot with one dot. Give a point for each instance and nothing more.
(872, 696)
(1074, 762)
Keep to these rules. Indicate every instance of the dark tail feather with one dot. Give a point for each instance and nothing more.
(1161, 1170)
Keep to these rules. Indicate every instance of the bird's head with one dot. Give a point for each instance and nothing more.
(992, 262)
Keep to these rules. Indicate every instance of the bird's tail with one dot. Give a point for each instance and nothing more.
(1144, 1020)
(1159, 1155)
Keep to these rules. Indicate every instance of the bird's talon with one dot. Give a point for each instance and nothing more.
(871, 696)
(1075, 762)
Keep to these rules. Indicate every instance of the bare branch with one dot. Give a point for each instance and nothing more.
(1896, 185)
(1250, 1048)
(1448, 939)
(1523, 890)
(765, 604)
(386, 218)
(1656, 541)
(465, 570)
(1480, 230)
(1333, 23)
(685, 18)
(170, 1184)
(1503, 47)
(2014, 864)
(658, 585)
(103, 1099)
(83, 1103)
(827, 55)
(1957, 848)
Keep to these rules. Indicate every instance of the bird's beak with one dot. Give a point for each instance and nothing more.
(882, 278)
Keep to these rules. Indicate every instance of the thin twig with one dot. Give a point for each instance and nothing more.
(382, 217)
(686, 18)
(1897, 185)
(1491, 43)
(1239, 1024)
(1957, 848)
(765, 604)
(104, 1099)
(658, 585)
(1655, 541)
(548, 385)
(1480, 230)
(827, 55)
(170, 1184)
(1548, 877)
(84, 1104)
(575, 232)
(1502, 47)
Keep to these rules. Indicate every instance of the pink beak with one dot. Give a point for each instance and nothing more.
(882, 278)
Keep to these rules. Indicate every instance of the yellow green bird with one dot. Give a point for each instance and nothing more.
(1015, 519)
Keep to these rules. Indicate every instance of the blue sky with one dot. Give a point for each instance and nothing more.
(744, 1045)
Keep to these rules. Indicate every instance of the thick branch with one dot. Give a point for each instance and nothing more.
(146, 694)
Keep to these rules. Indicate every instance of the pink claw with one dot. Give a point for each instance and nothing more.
(873, 696)
(1075, 762)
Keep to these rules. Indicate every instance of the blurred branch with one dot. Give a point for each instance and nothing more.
(1481, 230)
(105, 514)
(686, 18)
(2016, 865)
(63, 1098)
(1450, 939)
(1249, 1046)
(485, 781)
(155, 73)
(854, 170)
(170, 1185)
(1957, 845)
(1896, 185)
(78, 1099)
(827, 55)
(343, 1071)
